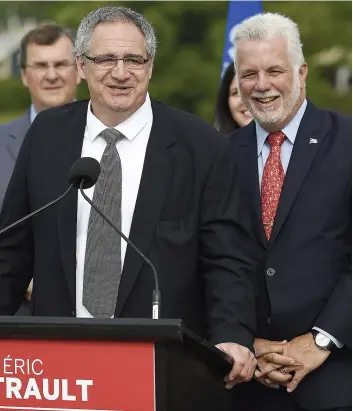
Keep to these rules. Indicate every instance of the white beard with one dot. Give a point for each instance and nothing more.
(279, 115)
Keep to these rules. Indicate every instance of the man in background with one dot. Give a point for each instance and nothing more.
(49, 72)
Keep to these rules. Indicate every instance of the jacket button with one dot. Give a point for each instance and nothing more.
(270, 272)
(269, 320)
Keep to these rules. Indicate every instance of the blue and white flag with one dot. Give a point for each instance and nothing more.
(237, 12)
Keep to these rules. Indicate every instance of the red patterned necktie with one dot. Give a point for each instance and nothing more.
(272, 181)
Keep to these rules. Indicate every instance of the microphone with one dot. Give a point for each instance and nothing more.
(80, 181)
(83, 166)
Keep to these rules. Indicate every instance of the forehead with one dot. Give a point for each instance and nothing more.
(117, 37)
(60, 50)
(260, 53)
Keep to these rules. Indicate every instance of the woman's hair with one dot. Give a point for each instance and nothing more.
(224, 121)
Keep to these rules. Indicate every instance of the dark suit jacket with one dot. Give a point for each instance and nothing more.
(12, 135)
(310, 247)
(181, 222)
(11, 138)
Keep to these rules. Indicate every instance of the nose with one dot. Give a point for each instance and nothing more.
(262, 83)
(51, 73)
(120, 72)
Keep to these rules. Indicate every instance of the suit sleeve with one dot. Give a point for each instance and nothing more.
(16, 245)
(336, 317)
(225, 266)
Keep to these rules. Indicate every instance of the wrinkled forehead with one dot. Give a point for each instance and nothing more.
(261, 53)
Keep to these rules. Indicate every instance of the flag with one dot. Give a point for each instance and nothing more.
(237, 12)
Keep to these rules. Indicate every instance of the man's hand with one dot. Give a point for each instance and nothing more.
(307, 357)
(244, 363)
(29, 291)
(270, 357)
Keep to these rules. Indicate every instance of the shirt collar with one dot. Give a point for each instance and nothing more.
(290, 130)
(130, 128)
(32, 113)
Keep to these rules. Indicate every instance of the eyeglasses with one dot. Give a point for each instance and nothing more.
(43, 67)
(109, 62)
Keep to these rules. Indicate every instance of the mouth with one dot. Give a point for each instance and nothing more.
(265, 100)
(120, 88)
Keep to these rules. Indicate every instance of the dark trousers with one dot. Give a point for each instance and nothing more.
(255, 397)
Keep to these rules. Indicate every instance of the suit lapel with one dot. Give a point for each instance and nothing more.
(312, 127)
(72, 139)
(248, 167)
(155, 178)
(17, 134)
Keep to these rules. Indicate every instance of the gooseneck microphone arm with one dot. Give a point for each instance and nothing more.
(156, 298)
(22, 220)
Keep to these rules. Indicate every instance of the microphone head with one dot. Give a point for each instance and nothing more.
(86, 169)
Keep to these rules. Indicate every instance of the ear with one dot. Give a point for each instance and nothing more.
(150, 70)
(303, 73)
(81, 68)
(78, 78)
(24, 77)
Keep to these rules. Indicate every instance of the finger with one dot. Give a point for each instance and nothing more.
(267, 348)
(267, 384)
(235, 371)
(278, 377)
(289, 369)
(248, 370)
(297, 378)
(275, 361)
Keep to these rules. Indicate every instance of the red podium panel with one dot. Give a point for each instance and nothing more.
(49, 375)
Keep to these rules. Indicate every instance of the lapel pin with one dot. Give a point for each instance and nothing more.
(313, 141)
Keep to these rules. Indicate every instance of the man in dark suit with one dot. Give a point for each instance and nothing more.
(293, 182)
(49, 73)
(160, 183)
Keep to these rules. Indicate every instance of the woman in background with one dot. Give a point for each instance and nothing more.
(230, 111)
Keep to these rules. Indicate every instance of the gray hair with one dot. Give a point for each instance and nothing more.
(113, 14)
(266, 26)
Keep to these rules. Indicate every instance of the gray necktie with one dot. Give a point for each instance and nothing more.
(102, 270)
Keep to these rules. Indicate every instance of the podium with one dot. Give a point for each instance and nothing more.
(79, 364)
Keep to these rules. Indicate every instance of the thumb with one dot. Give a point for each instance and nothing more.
(298, 377)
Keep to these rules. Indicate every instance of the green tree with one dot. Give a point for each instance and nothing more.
(191, 38)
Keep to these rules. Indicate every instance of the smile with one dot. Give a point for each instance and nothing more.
(266, 99)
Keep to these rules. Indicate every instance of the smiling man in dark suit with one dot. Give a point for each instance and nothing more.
(293, 178)
(160, 183)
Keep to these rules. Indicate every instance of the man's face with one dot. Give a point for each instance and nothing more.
(270, 86)
(50, 74)
(117, 92)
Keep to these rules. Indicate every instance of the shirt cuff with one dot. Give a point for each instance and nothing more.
(333, 339)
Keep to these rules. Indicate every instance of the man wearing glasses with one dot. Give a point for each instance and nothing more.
(49, 72)
(161, 183)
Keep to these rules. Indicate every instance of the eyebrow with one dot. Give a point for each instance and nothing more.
(276, 67)
(46, 61)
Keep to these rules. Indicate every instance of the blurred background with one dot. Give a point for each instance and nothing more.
(191, 38)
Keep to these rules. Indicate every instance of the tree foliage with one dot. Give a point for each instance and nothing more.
(191, 37)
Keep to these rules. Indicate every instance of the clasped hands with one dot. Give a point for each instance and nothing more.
(282, 363)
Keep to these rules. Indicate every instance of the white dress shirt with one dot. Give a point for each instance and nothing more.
(263, 151)
(132, 150)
